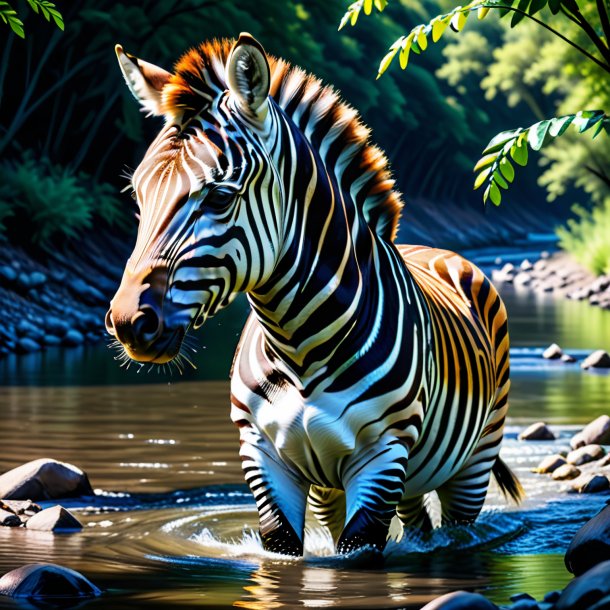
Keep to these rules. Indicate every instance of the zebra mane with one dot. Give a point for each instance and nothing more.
(199, 75)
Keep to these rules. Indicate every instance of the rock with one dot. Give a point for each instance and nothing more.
(597, 360)
(567, 358)
(593, 483)
(565, 472)
(54, 519)
(46, 580)
(544, 255)
(37, 279)
(460, 600)
(540, 265)
(23, 281)
(27, 329)
(20, 507)
(44, 479)
(9, 519)
(552, 596)
(537, 432)
(522, 279)
(526, 265)
(51, 340)
(552, 352)
(590, 545)
(506, 274)
(56, 327)
(25, 345)
(525, 604)
(73, 337)
(596, 432)
(7, 275)
(586, 454)
(586, 590)
(549, 464)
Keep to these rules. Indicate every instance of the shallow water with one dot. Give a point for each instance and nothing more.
(172, 524)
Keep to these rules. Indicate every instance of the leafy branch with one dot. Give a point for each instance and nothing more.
(495, 169)
(354, 9)
(40, 7)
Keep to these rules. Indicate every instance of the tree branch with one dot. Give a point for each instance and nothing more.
(602, 9)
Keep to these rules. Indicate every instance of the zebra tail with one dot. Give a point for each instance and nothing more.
(508, 482)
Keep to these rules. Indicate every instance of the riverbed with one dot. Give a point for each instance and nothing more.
(172, 524)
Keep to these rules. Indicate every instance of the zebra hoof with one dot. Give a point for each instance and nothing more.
(282, 539)
(362, 531)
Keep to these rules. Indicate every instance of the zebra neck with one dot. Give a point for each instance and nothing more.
(319, 297)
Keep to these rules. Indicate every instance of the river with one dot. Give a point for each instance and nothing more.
(172, 524)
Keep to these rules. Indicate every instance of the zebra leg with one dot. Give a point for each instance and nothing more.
(328, 506)
(280, 494)
(412, 513)
(374, 485)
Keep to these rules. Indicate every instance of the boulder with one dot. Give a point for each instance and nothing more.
(54, 519)
(565, 472)
(597, 360)
(25, 345)
(552, 352)
(522, 279)
(46, 581)
(51, 340)
(567, 358)
(596, 432)
(44, 479)
(590, 545)
(20, 507)
(549, 464)
(586, 454)
(72, 338)
(587, 590)
(540, 265)
(37, 279)
(590, 484)
(460, 600)
(7, 274)
(526, 265)
(537, 432)
(56, 326)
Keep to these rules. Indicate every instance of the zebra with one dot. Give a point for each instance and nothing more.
(368, 374)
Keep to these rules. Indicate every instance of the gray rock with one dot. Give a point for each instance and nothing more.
(46, 581)
(597, 360)
(552, 352)
(526, 265)
(596, 432)
(549, 464)
(586, 454)
(565, 473)
(44, 479)
(54, 519)
(537, 432)
(586, 590)
(522, 279)
(9, 519)
(567, 358)
(25, 345)
(73, 337)
(56, 327)
(7, 274)
(540, 265)
(51, 340)
(592, 483)
(20, 507)
(460, 600)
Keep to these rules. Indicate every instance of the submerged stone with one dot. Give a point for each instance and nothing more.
(552, 352)
(597, 360)
(54, 519)
(587, 590)
(460, 600)
(46, 581)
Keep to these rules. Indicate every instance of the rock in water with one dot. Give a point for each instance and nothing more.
(597, 432)
(552, 352)
(549, 464)
(590, 545)
(537, 432)
(54, 519)
(9, 519)
(591, 484)
(565, 472)
(586, 454)
(460, 600)
(46, 581)
(597, 360)
(587, 590)
(44, 479)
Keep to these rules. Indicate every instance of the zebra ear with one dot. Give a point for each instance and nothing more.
(145, 81)
(248, 75)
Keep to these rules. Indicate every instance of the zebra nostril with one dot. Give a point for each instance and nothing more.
(146, 324)
(109, 324)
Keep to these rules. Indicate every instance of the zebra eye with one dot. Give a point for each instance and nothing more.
(219, 199)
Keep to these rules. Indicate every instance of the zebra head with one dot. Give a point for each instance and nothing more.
(204, 185)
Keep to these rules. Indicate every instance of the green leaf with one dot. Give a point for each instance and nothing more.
(555, 6)
(439, 25)
(519, 154)
(537, 134)
(536, 6)
(485, 161)
(9, 16)
(517, 17)
(560, 124)
(495, 194)
(386, 61)
(404, 53)
(368, 7)
(458, 21)
(498, 141)
(481, 178)
(380, 5)
(499, 179)
(508, 171)
(422, 42)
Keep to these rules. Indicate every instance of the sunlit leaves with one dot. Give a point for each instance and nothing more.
(40, 7)
(365, 6)
(495, 168)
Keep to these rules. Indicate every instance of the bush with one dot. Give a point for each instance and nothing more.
(586, 237)
(48, 201)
